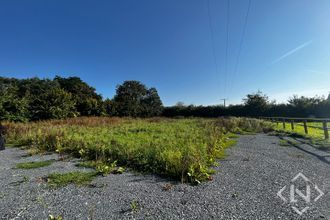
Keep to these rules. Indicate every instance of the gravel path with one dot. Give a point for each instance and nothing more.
(245, 187)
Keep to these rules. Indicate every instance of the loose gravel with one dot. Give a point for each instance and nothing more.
(245, 186)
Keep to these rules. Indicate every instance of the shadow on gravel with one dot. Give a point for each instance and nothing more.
(151, 179)
(320, 157)
(322, 148)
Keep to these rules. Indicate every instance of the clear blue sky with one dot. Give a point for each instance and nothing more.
(167, 44)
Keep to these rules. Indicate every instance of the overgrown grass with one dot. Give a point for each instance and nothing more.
(181, 148)
(102, 167)
(76, 177)
(315, 136)
(34, 164)
(314, 133)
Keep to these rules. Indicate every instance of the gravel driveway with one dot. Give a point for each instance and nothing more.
(244, 187)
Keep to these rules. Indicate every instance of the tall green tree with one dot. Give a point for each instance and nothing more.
(88, 102)
(12, 107)
(134, 99)
(56, 103)
(256, 104)
(151, 103)
(109, 107)
(304, 102)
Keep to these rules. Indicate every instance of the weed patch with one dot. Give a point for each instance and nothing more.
(284, 143)
(184, 149)
(102, 168)
(34, 164)
(76, 177)
(134, 206)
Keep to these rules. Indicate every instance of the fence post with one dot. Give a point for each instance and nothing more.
(305, 127)
(283, 123)
(325, 128)
(292, 125)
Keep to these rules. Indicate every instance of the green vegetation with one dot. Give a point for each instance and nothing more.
(284, 143)
(102, 167)
(42, 201)
(39, 99)
(36, 99)
(76, 177)
(315, 133)
(134, 205)
(315, 136)
(34, 164)
(136, 100)
(184, 149)
(257, 105)
(51, 217)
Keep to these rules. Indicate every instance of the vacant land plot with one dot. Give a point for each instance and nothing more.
(245, 186)
(183, 149)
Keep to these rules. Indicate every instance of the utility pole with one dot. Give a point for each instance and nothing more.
(224, 101)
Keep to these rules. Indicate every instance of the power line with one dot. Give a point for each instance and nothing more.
(212, 36)
(241, 44)
(227, 45)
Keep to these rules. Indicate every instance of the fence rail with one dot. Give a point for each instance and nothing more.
(302, 122)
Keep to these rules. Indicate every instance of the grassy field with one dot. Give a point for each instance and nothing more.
(184, 149)
(314, 133)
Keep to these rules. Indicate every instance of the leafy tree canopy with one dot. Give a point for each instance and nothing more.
(88, 102)
(134, 99)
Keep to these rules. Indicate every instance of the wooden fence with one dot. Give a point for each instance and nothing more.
(302, 122)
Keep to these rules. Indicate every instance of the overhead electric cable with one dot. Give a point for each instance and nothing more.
(212, 36)
(241, 44)
(227, 46)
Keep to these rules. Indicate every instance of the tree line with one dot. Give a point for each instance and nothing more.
(257, 105)
(39, 99)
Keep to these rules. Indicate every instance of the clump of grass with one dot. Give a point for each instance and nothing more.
(134, 205)
(102, 168)
(232, 135)
(75, 177)
(229, 143)
(34, 164)
(284, 143)
(288, 143)
(51, 217)
(32, 151)
(26, 178)
(42, 201)
(2, 195)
